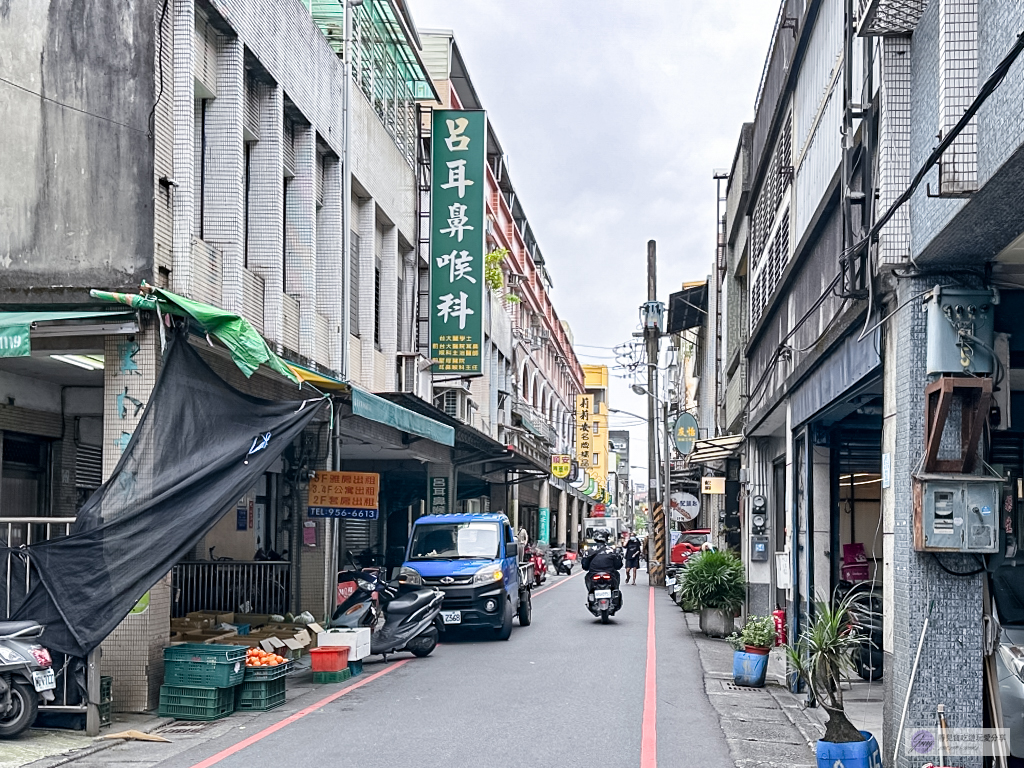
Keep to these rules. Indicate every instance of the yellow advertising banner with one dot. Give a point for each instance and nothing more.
(713, 486)
(344, 494)
(561, 464)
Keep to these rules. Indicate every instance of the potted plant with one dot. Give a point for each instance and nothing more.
(821, 657)
(713, 581)
(751, 647)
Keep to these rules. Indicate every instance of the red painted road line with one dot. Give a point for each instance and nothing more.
(649, 732)
(292, 718)
(536, 594)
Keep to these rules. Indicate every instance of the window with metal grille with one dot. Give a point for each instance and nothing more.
(776, 183)
(376, 303)
(353, 289)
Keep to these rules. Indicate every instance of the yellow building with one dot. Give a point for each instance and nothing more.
(592, 424)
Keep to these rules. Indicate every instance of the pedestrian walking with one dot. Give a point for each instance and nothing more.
(633, 548)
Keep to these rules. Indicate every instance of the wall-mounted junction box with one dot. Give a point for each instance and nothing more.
(956, 513)
(955, 315)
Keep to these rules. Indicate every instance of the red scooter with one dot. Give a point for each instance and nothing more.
(540, 567)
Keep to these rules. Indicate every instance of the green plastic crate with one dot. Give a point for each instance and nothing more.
(355, 667)
(195, 664)
(331, 677)
(105, 713)
(185, 702)
(106, 688)
(268, 673)
(260, 695)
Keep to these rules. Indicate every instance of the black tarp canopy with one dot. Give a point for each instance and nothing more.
(199, 446)
(688, 308)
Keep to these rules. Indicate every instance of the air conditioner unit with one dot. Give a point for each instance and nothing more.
(513, 279)
(456, 403)
(543, 333)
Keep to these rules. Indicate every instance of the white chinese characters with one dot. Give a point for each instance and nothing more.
(459, 265)
(457, 141)
(458, 222)
(457, 177)
(454, 307)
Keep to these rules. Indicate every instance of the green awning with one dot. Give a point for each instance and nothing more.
(529, 427)
(385, 412)
(8, 319)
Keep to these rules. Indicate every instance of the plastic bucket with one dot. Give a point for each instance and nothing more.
(749, 669)
(859, 754)
(332, 658)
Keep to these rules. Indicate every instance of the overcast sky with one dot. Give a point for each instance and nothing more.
(614, 116)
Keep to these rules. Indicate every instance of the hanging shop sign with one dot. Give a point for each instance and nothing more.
(561, 463)
(457, 229)
(438, 489)
(599, 510)
(685, 431)
(584, 440)
(713, 486)
(14, 341)
(344, 494)
(686, 505)
(544, 513)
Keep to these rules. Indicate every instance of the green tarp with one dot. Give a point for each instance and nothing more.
(385, 412)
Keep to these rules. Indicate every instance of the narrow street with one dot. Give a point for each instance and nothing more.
(565, 691)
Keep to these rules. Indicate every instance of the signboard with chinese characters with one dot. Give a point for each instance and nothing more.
(584, 439)
(457, 229)
(685, 433)
(438, 489)
(561, 463)
(713, 486)
(14, 341)
(344, 494)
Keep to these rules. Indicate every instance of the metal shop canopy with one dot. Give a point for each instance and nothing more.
(17, 328)
(688, 308)
(715, 448)
(249, 351)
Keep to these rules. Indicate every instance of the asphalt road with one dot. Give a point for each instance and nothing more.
(565, 692)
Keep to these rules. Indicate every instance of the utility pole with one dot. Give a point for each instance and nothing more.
(652, 333)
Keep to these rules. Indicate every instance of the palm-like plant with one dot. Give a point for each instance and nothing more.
(714, 579)
(821, 657)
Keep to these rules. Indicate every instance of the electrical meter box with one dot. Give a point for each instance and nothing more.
(961, 325)
(956, 513)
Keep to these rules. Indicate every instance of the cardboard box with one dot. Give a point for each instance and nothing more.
(358, 641)
(210, 636)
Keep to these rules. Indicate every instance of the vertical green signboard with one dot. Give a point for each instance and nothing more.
(545, 524)
(457, 231)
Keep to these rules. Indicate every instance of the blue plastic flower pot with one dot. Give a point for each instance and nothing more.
(858, 754)
(749, 669)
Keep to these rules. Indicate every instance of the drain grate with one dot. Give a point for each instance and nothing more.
(732, 687)
(186, 728)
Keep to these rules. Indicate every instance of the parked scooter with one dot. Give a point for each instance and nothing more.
(865, 614)
(25, 676)
(603, 599)
(397, 622)
(562, 561)
(540, 567)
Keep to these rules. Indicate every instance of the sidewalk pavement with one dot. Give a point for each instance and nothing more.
(770, 727)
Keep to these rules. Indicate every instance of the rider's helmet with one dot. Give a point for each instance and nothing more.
(601, 537)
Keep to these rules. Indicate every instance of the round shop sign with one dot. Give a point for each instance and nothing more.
(686, 504)
(685, 432)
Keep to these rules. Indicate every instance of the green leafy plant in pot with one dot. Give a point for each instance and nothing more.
(756, 636)
(714, 582)
(822, 659)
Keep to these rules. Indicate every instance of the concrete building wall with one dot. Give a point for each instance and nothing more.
(76, 200)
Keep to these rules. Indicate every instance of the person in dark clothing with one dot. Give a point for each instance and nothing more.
(632, 557)
(602, 558)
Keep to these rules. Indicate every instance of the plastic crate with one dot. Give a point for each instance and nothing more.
(105, 713)
(260, 695)
(267, 673)
(196, 664)
(106, 688)
(332, 658)
(332, 677)
(185, 702)
(355, 667)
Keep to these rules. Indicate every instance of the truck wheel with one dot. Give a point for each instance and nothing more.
(525, 608)
(24, 705)
(504, 632)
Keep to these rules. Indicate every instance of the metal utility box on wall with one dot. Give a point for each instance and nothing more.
(955, 315)
(759, 548)
(956, 513)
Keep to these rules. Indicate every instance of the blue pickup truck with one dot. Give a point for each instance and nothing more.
(475, 560)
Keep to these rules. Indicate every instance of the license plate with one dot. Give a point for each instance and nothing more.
(670, 582)
(451, 617)
(603, 594)
(44, 681)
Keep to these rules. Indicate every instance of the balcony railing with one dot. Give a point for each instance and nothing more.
(230, 585)
(533, 421)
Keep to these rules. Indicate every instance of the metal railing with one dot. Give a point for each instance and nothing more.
(231, 585)
(16, 533)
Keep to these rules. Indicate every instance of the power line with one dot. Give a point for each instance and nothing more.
(72, 108)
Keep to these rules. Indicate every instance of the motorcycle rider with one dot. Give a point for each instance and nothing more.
(602, 558)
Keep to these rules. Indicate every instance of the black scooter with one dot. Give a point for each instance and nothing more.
(865, 612)
(25, 676)
(561, 562)
(603, 598)
(397, 621)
